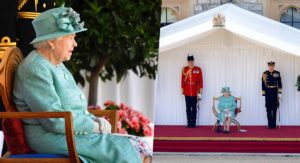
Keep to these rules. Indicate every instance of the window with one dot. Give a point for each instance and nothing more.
(291, 17)
(168, 16)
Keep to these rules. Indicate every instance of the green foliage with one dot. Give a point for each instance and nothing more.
(59, 2)
(298, 83)
(122, 35)
(112, 107)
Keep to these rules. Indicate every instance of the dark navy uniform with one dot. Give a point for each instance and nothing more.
(271, 87)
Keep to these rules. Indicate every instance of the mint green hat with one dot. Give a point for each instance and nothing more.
(225, 90)
(56, 22)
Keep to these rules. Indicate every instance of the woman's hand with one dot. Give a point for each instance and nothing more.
(104, 125)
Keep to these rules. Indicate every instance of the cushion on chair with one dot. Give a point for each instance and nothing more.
(15, 137)
(38, 156)
(14, 134)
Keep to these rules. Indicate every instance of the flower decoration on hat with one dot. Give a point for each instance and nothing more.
(68, 20)
(225, 90)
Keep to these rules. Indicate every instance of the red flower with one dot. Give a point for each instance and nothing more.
(137, 128)
(147, 132)
(130, 121)
(109, 103)
(135, 122)
(123, 106)
(121, 114)
(127, 120)
(144, 119)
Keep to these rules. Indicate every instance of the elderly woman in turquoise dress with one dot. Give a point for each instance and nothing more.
(227, 105)
(43, 83)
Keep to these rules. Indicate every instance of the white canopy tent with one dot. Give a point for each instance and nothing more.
(238, 21)
(234, 56)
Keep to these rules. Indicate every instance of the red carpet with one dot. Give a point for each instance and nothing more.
(203, 139)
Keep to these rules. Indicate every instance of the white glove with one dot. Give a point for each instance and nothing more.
(199, 96)
(279, 96)
(96, 128)
(104, 125)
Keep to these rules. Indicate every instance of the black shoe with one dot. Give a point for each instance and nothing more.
(227, 132)
(194, 125)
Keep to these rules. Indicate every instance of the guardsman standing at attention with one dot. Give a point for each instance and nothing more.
(192, 86)
(271, 89)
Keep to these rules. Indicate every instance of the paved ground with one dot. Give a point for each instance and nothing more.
(224, 158)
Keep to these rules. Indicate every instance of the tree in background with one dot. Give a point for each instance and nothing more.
(122, 35)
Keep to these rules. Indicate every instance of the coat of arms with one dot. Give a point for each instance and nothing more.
(219, 20)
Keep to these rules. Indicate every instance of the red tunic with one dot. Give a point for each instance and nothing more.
(191, 81)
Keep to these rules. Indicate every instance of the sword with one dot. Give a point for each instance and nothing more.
(198, 111)
(278, 112)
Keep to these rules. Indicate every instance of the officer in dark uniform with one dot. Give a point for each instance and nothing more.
(16, 28)
(271, 89)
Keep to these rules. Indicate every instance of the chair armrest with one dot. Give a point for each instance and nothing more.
(239, 99)
(213, 106)
(215, 98)
(112, 114)
(68, 126)
(215, 111)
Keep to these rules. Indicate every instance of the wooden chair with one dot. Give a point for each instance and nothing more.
(237, 111)
(10, 61)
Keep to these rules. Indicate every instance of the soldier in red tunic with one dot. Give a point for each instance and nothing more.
(192, 85)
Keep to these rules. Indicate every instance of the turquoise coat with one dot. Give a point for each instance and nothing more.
(41, 86)
(226, 103)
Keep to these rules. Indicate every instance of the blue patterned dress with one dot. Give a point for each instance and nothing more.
(41, 86)
(226, 106)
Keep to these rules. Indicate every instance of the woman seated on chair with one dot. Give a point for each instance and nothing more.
(44, 84)
(226, 106)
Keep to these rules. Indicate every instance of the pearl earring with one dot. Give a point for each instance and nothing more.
(52, 47)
